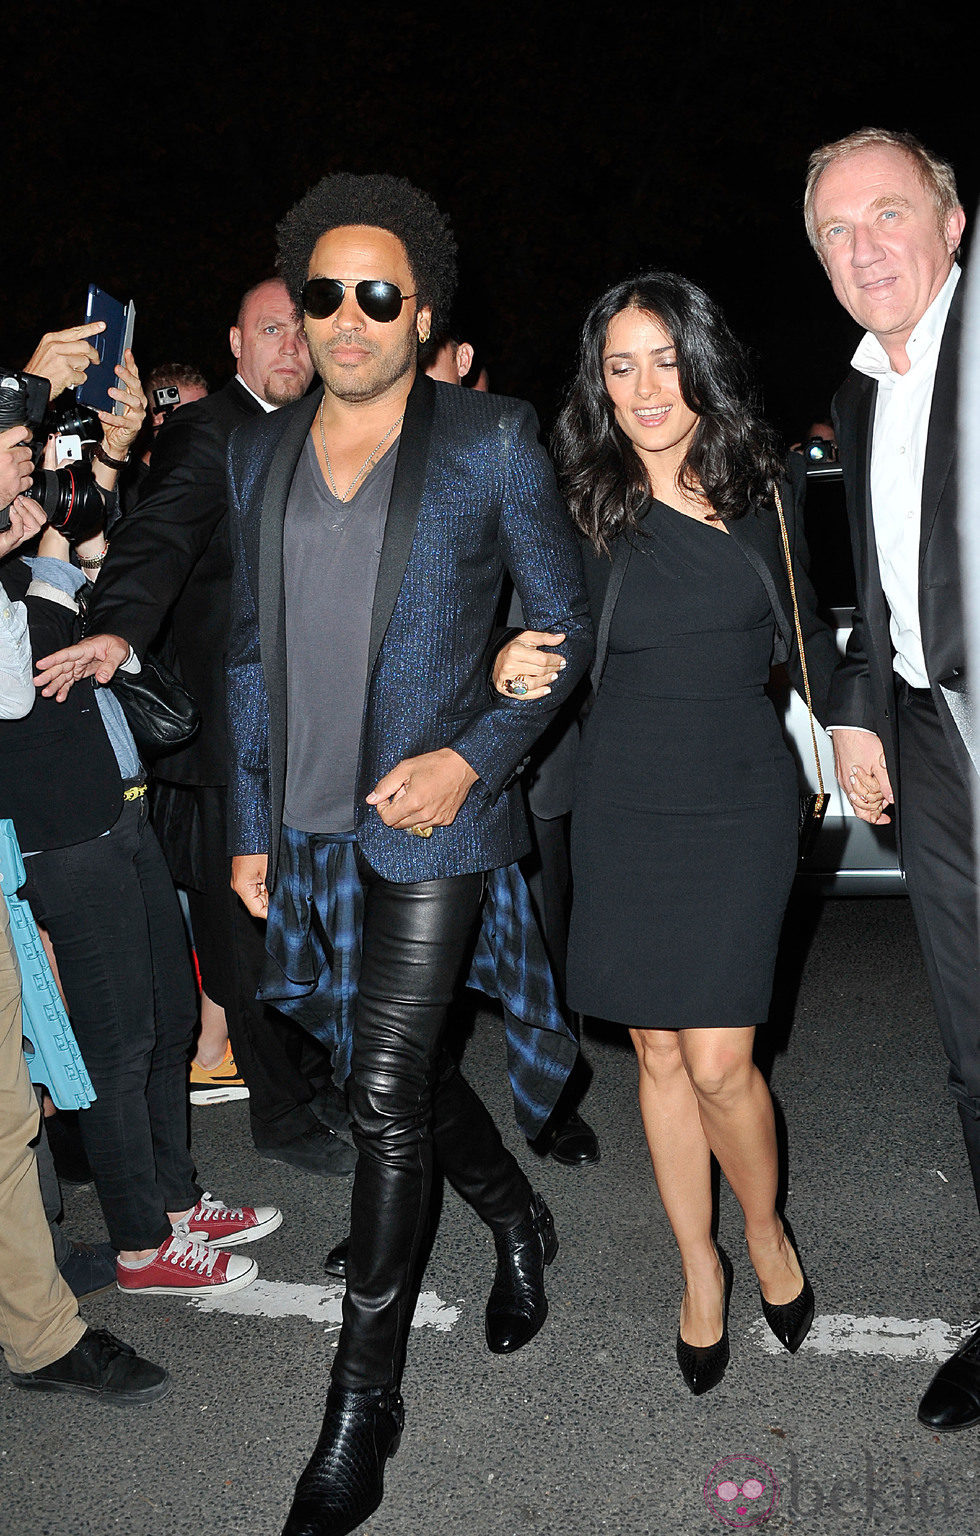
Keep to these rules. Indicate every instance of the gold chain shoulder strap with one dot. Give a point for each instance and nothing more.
(799, 633)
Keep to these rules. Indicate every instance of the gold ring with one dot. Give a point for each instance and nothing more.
(419, 831)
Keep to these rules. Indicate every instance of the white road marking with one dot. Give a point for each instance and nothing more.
(896, 1338)
(320, 1303)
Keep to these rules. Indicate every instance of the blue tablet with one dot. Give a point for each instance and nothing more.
(111, 346)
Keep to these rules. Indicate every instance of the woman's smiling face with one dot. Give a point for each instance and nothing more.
(639, 364)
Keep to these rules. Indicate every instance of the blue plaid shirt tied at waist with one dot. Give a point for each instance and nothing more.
(313, 940)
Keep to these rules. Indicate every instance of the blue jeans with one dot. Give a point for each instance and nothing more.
(110, 908)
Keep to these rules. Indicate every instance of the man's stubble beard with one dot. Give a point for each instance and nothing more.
(283, 394)
(362, 385)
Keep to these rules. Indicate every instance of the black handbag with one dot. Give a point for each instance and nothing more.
(813, 806)
(159, 711)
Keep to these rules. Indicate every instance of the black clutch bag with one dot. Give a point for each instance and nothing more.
(813, 806)
(159, 711)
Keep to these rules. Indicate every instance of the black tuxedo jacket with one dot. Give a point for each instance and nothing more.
(473, 497)
(172, 553)
(864, 690)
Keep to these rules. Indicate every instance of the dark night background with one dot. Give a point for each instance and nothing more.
(151, 149)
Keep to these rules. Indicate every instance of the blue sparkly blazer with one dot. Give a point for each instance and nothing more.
(474, 496)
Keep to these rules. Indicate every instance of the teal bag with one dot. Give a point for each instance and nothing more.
(53, 1057)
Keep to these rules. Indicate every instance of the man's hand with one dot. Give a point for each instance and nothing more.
(424, 791)
(64, 357)
(859, 756)
(248, 881)
(15, 463)
(96, 655)
(26, 519)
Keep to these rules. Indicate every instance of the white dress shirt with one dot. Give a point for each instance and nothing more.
(264, 403)
(16, 671)
(898, 455)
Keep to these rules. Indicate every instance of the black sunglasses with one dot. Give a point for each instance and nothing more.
(323, 296)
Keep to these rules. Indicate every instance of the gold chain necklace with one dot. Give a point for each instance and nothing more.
(369, 460)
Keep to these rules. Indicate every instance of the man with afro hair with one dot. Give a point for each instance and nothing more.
(376, 821)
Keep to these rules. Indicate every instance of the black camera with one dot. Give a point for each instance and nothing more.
(73, 419)
(819, 450)
(23, 400)
(166, 399)
(70, 498)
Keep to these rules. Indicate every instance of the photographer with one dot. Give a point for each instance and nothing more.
(46, 1344)
(77, 493)
(96, 880)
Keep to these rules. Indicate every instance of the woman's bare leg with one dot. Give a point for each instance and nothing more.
(212, 1040)
(682, 1167)
(737, 1118)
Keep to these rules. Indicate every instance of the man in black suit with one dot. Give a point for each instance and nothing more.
(171, 557)
(884, 217)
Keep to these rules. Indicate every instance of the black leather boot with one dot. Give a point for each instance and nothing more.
(518, 1306)
(335, 1262)
(343, 1482)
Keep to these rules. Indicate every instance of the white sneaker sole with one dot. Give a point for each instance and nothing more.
(207, 1289)
(217, 1095)
(247, 1235)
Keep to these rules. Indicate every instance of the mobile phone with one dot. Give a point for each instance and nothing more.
(68, 446)
(111, 346)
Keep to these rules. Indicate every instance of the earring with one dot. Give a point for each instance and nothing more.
(423, 339)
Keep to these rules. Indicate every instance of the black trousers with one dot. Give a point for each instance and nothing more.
(110, 907)
(410, 1106)
(936, 823)
(269, 1049)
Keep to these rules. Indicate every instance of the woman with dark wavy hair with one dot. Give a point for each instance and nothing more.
(684, 823)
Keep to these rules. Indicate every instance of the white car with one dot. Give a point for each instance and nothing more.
(851, 858)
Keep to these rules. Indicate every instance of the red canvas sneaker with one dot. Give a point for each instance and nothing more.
(217, 1226)
(184, 1268)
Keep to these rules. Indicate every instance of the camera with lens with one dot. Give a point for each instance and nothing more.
(166, 399)
(69, 497)
(819, 450)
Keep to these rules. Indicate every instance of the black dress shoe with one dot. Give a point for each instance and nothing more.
(102, 1366)
(335, 1262)
(576, 1145)
(517, 1305)
(343, 1482)
(791, 1321)
(952, 1399)
(315, 1150)
(703, 1367)
(329, 1104)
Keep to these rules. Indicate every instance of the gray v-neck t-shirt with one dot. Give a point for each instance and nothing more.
(331, 553)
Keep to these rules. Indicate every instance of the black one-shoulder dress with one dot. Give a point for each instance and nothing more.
(685, 811)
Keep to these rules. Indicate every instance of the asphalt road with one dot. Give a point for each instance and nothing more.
(590, 1428)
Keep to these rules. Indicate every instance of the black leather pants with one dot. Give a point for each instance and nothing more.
(409, 1103)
